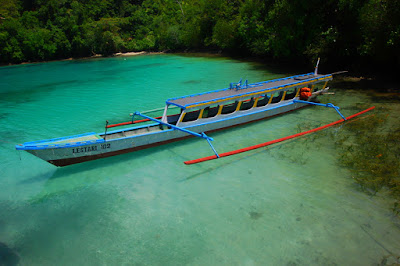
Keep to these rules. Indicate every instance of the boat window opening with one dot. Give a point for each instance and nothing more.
(173, 115)
(172, 119)
(229, 108)
(204, 114)
(210, 111)
(213, 111)
(247, 104)
(263, 100)
(291, 93)
(191, 116)
(277, 97)
(174, 111)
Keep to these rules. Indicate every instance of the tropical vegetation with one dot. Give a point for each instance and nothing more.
(363, 34)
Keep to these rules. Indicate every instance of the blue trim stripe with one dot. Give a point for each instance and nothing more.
(27, 146)
(171, 103)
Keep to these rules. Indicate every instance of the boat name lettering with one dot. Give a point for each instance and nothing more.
(91, 148)
(105, 146)
(84, 149)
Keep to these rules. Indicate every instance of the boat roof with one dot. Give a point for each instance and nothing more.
(240, 90)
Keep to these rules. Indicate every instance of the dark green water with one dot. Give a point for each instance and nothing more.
(290, 204)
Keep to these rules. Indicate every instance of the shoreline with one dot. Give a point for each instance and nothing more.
(119, 54)
(358, 81)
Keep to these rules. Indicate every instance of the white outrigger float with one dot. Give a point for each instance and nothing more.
(195, 115)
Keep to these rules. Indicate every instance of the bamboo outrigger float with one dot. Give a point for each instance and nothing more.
(192, 115)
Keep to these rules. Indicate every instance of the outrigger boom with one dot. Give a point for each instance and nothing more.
(225, 154)
(324, 105)
(202, 135)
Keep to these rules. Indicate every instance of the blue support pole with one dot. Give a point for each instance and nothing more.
(337, 110)
(204, 136)
(324, 105)
(212, 147)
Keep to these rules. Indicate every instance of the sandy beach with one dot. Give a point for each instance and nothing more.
(88, 57)
(130, 53)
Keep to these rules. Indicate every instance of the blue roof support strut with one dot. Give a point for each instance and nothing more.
(324, 105)
(212, 147)
(202, 135)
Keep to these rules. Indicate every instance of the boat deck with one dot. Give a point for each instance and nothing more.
(133, 132)
(77, 139)
(88, 137)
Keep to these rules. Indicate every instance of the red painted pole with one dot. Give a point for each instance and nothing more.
(274, 141)
(130, 122)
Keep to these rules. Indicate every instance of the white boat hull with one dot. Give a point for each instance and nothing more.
(66, 155)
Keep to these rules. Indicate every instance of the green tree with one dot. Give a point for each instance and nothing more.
(380, 25)
(343, 32)
(224, 34)
(9, 9)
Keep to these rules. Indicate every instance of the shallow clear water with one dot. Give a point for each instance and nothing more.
(290, 204)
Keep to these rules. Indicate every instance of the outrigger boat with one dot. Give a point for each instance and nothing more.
(192, 115)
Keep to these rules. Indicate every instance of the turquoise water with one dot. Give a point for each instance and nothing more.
(290, 204)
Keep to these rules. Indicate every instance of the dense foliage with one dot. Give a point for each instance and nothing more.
(343, 32)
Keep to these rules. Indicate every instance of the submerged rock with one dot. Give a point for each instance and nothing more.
(255, 215)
